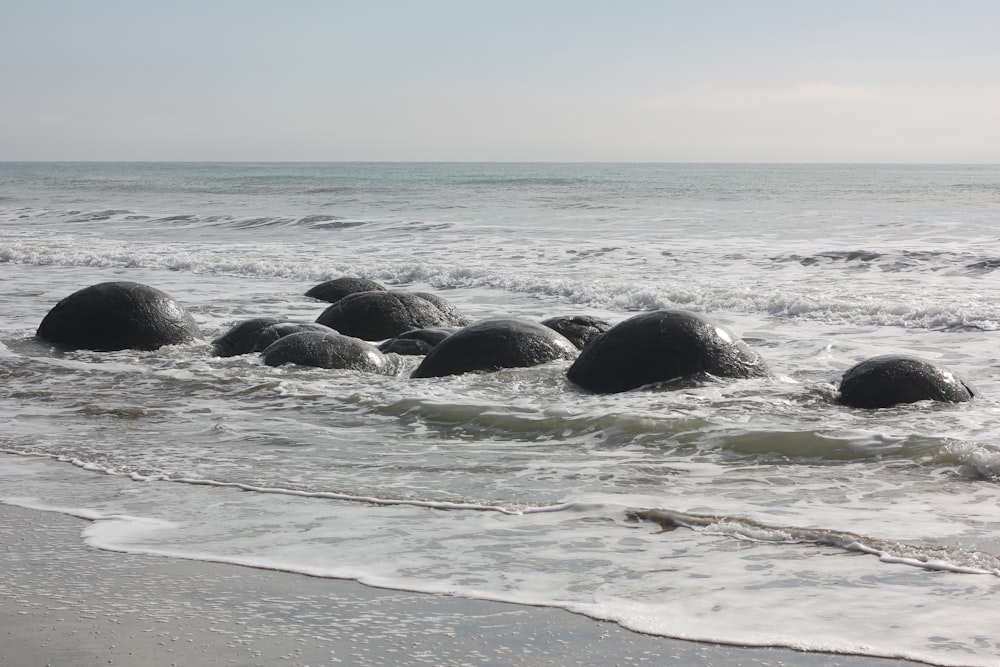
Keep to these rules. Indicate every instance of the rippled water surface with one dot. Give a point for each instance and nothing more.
(683, 511)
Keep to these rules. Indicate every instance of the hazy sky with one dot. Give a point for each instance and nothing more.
(548, 80)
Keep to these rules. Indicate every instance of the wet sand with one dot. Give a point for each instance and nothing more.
(63, 603)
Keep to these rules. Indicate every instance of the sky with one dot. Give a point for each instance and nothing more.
(501, 80)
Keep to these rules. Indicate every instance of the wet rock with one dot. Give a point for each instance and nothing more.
(336, 289)
(417, 341)
(241, 338)
(579, 329)
(325, 350)
(662, 346)
(118, 316)
(884, 381)
(379, 315)
(492, 344)
(272, 333)
(256, 334)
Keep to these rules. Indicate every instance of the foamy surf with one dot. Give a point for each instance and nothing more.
(516, 485)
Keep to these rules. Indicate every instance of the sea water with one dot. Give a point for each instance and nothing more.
(751, 512)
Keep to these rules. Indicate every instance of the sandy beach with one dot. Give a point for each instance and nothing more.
(64, 603)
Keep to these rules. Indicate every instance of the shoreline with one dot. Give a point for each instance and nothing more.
(65, 603)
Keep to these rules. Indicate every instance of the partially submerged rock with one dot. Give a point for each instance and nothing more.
(378, 315)
(417, 341)
(884, 381)
(325, 350)
(492, 344)
(241, 337)
(662, 346)
(256, 334)
(118, 316)
(336, 289)
(272, 333)
(579, 329)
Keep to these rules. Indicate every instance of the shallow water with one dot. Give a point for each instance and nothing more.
(752, 512)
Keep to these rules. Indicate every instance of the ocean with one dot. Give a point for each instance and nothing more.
(787, 519)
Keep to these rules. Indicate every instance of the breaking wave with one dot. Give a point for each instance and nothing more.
(931, 557)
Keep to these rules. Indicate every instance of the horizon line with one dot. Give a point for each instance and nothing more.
(581, 162)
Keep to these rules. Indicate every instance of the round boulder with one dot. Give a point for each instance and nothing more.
(661, 346)
(273, 332)
(881, 382)
(378, 315)
(492, 344)
(325, 350)
(336, 289)
(579, 329)
(256, 334)
(242, 337)
(417, 341)
(117, 316)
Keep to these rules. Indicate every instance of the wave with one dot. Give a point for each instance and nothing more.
(974, 460)
(678, 615)
(573, 273)
(97, 216)
(128, 217)
(132, 534)
(955, 559)
(949, 262)
(327, 222)
(930, 557)
(367, 500)
(444, 505)
(623, 296)
(833, 256)
(490, 421)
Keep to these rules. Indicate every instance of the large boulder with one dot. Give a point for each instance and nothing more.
(378, 315)
(325, 350)
(492, 344)
(881, 382)
(118, 316)
(336, 289)
(661, 346)
(417, 341)
(579, 329)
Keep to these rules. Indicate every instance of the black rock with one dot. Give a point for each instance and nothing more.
(325, 350)
(118, 316)
(242, 337)
(579, 329)
(336, 289)
(379, 315)
(662, 346)
(881, 382)
(492, 344)
(417, 341)
(273, 332)
(256, 334)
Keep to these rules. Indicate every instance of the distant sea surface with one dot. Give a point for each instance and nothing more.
(796, 521)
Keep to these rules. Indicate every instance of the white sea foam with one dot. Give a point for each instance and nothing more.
(958, 560)
(515, 485)
(679, 594)
(609, 295)
(978, 459)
